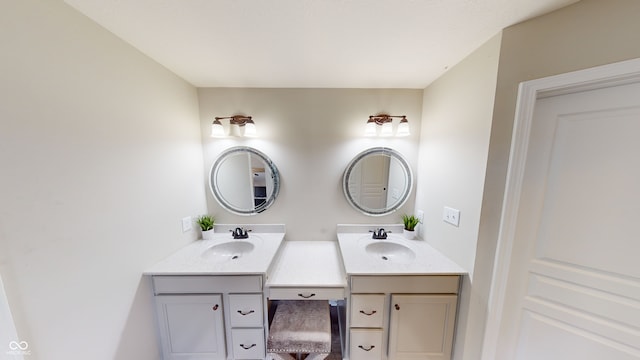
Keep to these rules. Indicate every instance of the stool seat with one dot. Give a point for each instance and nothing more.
(300, 327)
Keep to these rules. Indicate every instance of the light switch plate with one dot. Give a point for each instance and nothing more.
(420, 216)
(451, 216)
(187, 224)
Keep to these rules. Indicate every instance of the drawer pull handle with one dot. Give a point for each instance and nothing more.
(247, 347)
(245, 313)
(363, 348)
(306, 296)
(215, 307)
(368, 313)
(397, 307)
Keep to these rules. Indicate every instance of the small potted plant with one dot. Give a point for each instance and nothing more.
(206, 223)
(410, 223)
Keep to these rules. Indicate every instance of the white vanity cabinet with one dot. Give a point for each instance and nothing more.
(210, 317)
(402, 317)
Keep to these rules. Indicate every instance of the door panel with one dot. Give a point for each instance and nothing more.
(191, 327)
(421, 327)
(547, 338)
(574, 285)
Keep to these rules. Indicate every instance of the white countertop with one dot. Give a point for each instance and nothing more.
(305, 263)
(308, 263)
(427, 261)
(193, 259)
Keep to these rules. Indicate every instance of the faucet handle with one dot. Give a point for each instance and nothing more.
(240, 233)
(379, 234)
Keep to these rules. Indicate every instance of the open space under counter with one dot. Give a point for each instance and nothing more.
(304, 271)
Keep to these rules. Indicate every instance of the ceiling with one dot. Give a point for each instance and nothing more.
(309, 43)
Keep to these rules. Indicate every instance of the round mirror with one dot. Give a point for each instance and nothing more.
(377, 181)
(244, 181)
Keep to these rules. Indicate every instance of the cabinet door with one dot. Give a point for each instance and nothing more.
(421, 327)
(191, 327)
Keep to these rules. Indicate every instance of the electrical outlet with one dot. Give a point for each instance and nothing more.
(187, 224)
(420, 216)
(451, 216)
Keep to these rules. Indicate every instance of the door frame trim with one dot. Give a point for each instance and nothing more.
(528, 93)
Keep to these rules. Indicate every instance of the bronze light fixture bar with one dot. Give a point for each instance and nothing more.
(217, 130)
(384, 122)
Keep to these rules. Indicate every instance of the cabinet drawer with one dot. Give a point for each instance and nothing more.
(206, 284)
(246, 310)
(288, 293)
(406, 284)
(248, 343)
(367, 310)
(366, 344)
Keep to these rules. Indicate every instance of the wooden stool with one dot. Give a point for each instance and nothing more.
(300, 327)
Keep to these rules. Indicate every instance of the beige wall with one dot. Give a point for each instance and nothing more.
(457, 114)
(583, 35)
(101, 157)
(311, 135)
(103, 147)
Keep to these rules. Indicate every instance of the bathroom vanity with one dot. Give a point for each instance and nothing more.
(396, 298)
(403, 296)
(209, 296)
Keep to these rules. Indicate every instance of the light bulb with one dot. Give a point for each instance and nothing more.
(387, 129)
(370, 129)
(403, 128)
(250, 129)
(217, 130)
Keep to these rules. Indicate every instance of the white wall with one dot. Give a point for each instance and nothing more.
(101, 157)
(582, 35)
(457, 113)
(8, 331)
(311, 135)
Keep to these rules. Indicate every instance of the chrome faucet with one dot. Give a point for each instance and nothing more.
(379, 234)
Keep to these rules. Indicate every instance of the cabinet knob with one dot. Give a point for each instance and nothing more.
(245, 313)
(368, 313)
(366, 349)
(215, 307)
(306, 296)
(247, 347)
(397, 307)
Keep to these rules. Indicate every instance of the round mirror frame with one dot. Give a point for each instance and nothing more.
(382, 151)
(215, 168)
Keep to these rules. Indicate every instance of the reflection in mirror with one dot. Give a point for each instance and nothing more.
(377, 181)
(244, 181)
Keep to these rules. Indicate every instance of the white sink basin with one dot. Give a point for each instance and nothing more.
(231, 250)
(390, 251)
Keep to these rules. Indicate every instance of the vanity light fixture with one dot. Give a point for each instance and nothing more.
(241, 121)
(382, 125)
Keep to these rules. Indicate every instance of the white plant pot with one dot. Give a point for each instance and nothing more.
(207, 235)
(409, 234)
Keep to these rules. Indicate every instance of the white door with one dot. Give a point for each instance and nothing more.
(374, 181)
(573, 283)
